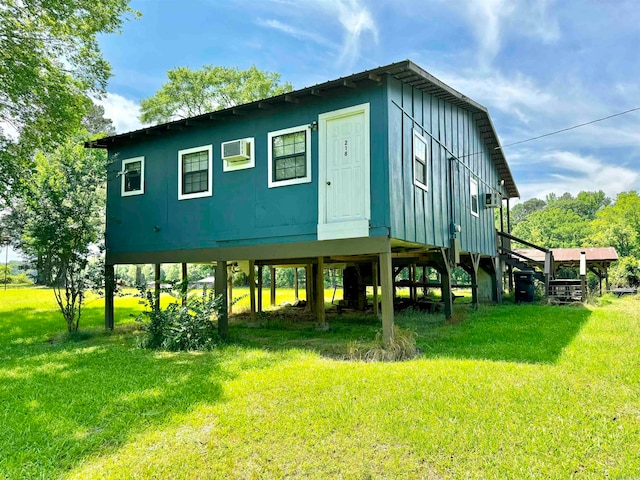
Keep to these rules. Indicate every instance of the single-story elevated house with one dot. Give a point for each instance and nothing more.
(380, 170)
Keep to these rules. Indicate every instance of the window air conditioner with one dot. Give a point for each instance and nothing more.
(492, 200)
(236, 151)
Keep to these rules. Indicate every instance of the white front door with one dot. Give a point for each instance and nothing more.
(344, 198)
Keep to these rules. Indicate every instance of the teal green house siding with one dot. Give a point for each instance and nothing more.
(456, 154)
(243, 211)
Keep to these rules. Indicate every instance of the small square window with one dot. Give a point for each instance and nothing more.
(290, 156)
(473, 190)
(132, 175)
(195, 172)
(420, 161)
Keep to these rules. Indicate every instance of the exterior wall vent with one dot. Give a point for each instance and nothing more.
(492, 200)
(236, 151)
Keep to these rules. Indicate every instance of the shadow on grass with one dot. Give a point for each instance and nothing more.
(511, 333)
(285, 330)
(65, 398)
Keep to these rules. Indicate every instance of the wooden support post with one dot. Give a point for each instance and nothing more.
(252, 286)
(230, 289)
(386, 282)
(319, 285)
(157, 286)
(273, 286)
(138, 276)
(445, 281)
(446, 293)
(583, 276)
(260, 267)
(308, 276)
(496, 281)
(374, 278)
(600, 273)
(548, 263)
(412, 279)
(475, 262)
(109, 287)
(221, 290)
(185, 284)
(606, 278)
(295, 284)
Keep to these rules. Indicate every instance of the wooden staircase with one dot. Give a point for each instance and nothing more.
(557, 291)
(522, 262)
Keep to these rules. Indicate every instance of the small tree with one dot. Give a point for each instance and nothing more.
(62, 219)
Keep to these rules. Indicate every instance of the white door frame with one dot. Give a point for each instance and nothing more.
(351, 229)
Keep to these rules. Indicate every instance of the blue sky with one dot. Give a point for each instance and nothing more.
(538, 66)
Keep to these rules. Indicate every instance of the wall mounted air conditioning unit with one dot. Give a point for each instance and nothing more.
(236, 151)
(492, 200)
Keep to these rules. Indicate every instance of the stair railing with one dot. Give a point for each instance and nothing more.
(549, 267)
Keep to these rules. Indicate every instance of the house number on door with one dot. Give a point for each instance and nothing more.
(346, 148)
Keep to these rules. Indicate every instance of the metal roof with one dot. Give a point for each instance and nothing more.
(405, 71)
(572, 255)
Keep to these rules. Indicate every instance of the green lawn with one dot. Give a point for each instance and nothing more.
(512, 391)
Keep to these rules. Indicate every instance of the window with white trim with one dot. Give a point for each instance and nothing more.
(420, 161)
(290, 156)
(195, 175)
(473, 190)
(132, 177)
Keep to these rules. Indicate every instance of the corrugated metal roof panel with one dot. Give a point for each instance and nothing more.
(572, 255)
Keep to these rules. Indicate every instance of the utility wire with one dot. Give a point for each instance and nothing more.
(569, 128)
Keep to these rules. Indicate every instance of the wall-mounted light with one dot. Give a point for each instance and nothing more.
(501, 182)
(314, 125)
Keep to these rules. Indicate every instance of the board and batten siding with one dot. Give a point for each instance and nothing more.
(424, 217)
(243, 210)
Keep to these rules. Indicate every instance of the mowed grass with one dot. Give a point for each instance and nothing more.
(511, 391)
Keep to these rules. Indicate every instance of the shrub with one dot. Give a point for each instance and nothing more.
(192, 326)
(625, 273)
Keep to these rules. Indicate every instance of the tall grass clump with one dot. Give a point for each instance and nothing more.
(401, 347)
(192, 326)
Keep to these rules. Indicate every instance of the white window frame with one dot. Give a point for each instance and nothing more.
(209, 191)
(228, 166)
(473, 185)
(123, 176)
(419, 138)
(294, 181)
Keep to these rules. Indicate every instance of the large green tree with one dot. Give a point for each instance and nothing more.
(618, 225)
(553, 228)
(194, 92)
(585, 204)
(49, 62)
(522, 210)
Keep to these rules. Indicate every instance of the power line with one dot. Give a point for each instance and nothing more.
(569, 128)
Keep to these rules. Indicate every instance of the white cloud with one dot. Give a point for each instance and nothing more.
(494, 20)
(123, 112)
(583, 173)
(299, 33)
(515, 94)
(354, 18)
